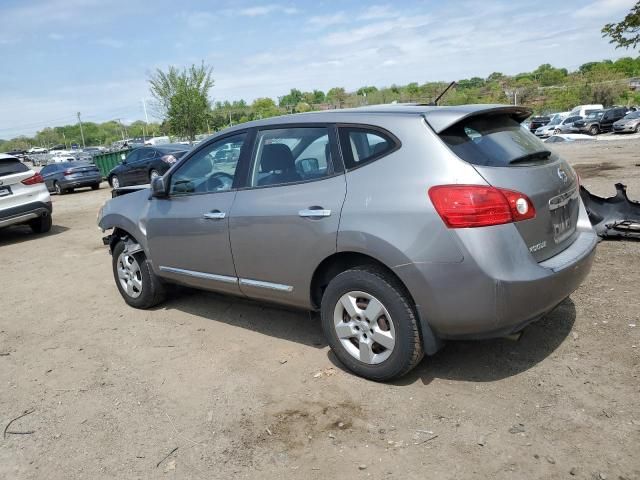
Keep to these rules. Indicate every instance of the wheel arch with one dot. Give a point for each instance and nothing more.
(338, 262)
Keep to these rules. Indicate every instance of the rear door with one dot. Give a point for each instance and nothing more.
(285, 222)
(509, 157)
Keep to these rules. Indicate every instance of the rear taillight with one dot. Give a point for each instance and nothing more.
(468, 206)
(170, 159)
(37, 178)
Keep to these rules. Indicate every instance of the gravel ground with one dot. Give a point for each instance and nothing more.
(208, 386)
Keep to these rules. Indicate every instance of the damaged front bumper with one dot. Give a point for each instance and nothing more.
(613, 217)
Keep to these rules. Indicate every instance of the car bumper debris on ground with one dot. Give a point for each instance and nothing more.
(613, 217)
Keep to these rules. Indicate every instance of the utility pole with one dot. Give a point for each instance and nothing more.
(146, 117)
(81, 132)
(230, 122)
(121, 130)
(64, 137)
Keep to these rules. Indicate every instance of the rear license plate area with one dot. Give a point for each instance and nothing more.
(5, 191)
(563, 211)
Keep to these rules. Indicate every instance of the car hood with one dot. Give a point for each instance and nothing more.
(627, 121)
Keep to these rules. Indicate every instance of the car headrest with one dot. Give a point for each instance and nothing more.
(276, 156)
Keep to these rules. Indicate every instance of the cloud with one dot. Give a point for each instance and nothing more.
(377, 12)
(324, 21)
(260, 10)
(110, 42)
(602, 8)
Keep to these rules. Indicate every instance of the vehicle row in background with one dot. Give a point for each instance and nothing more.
(144, 164)
(587, 119)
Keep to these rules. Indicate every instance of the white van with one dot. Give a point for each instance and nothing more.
(584, 110)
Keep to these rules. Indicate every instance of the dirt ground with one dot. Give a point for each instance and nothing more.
(208, 386)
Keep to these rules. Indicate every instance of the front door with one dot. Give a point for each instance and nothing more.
(286, 221)
(188, 232)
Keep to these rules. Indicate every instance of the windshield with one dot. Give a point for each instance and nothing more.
(632, 115)
(594, 115)
(495, 141)
(555, 121)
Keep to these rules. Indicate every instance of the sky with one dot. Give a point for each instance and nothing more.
(60, 57)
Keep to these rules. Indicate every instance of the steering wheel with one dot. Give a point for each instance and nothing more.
(219, 181)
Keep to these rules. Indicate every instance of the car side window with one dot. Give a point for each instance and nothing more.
(211, 169)
(147, 154)
(47, 170)
(363, 145)
(133, 156)
(291, 155)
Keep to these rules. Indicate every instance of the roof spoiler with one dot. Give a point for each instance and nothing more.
(441, 119)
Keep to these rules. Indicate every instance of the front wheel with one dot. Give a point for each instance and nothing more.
(370, 324)
(153, 174)
(58, 189)
(594, 130)
(95, 186)
(136, 282)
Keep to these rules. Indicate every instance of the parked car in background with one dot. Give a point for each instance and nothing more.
(568, 137)
(630, 123)
(64, 177)
(584, 110)
(37, 150)
(143, 164)
(61, 157)
(401, 234)
(24, 199)
(611, 116)
(590, 124)
(568, 125)
(538, 121)
(21, 154)
(550, 128)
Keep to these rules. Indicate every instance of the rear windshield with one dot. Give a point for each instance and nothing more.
(495, 141)
(9, 167)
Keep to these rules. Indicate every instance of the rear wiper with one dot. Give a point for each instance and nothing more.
(541, 155)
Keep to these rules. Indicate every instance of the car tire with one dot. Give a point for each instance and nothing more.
(594, 130)
(58, 189)
(95, 186)
(637, 129)
(115, 181)
(153, 174)
(352, 335)
(136, 282)
(41, 224)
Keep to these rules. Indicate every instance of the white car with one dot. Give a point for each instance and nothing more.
(569, 137)
(62, 158)
(24, 198)
(550, 128)
(37, 150)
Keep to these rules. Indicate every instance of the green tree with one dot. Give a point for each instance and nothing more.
(337, 96)
(625, 33)
(183, 95)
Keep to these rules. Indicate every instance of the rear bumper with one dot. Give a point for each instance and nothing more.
(80, 182)
(24, 213)
(498, 288)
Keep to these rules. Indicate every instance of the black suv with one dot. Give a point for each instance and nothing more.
(143, 164)
(537, 122)
(601, 121)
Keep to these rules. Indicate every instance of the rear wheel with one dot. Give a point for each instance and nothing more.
(41, 224)
(58, 189)
(115, 181)
(594, 130)
(637, 129)
(95, 186)
(136, 282)
(370, 324)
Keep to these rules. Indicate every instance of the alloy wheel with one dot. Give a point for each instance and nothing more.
(129, 275)
(364, 327)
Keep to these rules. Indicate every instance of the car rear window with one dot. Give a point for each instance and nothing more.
(494, 141)
(10, 166)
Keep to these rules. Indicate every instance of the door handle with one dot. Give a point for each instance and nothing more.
(314, 213)
(214, 215)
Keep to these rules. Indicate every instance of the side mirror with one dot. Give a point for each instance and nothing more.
(158, 188)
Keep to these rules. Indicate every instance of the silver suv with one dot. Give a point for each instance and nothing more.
(403, 225)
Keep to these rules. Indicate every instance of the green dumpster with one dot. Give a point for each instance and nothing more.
(108, 161)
